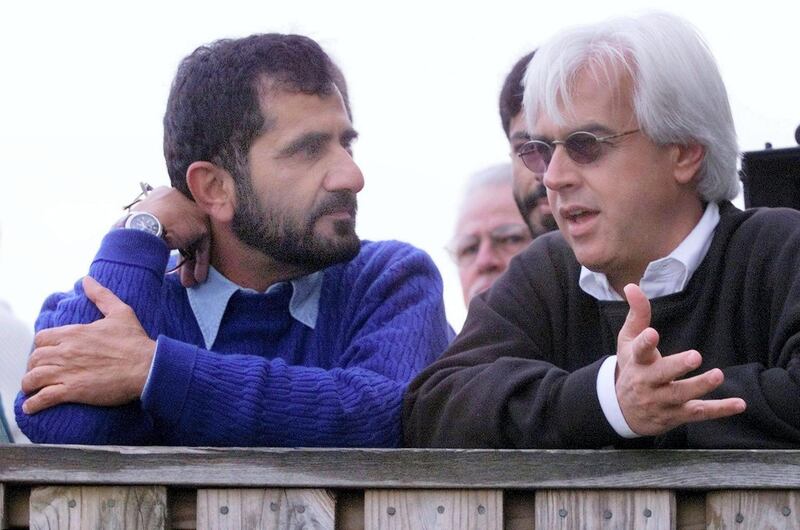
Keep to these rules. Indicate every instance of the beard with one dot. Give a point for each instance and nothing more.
(273, 232)
(540, 224)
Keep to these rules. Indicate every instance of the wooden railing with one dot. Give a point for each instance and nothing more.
(164, 487)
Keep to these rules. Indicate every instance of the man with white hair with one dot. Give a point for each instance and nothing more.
(489, 230)
(659, 315)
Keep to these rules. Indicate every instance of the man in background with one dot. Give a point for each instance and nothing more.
(489, 230)
(531, 199)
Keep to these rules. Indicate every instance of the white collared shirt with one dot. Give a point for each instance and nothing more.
(662, 277)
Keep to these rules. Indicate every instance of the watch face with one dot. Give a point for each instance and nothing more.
(145, 221)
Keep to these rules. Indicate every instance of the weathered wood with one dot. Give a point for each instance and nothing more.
(433, 509)
(136, 507)
(404, 468)
(273, 509)
(753, 509)
(577, 509)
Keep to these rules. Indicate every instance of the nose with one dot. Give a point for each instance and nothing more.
(488, 258)
(560, 172)
(344, 174)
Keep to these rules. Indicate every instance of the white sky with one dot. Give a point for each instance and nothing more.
(84, 85)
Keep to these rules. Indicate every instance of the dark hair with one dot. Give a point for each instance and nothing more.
(511, 94)
(214, 109)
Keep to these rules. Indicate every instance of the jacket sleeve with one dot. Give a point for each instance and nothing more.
(131, 264)
(391, 327)
(503, 383)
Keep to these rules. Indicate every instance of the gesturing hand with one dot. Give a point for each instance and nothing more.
(651, 397)
(102, 363)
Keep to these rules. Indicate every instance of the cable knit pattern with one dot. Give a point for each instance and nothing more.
(270, 381)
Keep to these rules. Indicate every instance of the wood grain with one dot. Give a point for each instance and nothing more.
(433, 509)
(753, 509)
(267, 509)
(403, 468)
(607, 509)
(69, 507)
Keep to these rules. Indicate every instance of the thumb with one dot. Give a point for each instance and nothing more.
(103, 298)
(638, 318)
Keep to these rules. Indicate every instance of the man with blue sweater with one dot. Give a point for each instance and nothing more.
(299, 335)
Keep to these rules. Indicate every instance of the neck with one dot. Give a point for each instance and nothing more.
(248, 267)
(678, 223)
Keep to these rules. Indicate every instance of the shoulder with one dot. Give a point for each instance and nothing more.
(387, 257)
(382, 268)
(548, 259)
(760, 228)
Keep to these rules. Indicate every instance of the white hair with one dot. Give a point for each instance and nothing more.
(678, 94)
(497, 175)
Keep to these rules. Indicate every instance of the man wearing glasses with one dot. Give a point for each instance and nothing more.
(659, 315)
(531, 200)
(489, 230)
(302, 335)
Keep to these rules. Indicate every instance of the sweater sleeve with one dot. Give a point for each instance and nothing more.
(765, 371)
(130, 263)
(506, 382)
(390, 324)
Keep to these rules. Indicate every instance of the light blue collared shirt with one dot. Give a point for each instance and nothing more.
(209, 300)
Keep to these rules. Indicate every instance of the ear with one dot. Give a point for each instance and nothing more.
(213, 189)
(688, 159)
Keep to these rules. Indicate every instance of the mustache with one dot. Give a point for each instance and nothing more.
(530, 201)
(337, 201)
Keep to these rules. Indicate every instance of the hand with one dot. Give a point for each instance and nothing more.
(186, 227)
(103, 363)
(650, 395)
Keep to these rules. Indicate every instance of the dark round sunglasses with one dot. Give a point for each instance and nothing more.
(582, 147)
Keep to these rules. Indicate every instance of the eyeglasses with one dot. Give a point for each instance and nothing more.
(505, 239)
(582, 147)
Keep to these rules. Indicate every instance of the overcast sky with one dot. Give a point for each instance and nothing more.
(84, 85)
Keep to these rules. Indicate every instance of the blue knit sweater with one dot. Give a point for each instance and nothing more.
(271, 380)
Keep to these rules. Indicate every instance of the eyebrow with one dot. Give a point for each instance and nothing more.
(309, 139)
(520, 135)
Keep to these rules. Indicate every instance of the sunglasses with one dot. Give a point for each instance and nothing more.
(582, 147)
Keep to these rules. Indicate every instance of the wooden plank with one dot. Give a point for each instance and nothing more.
(139, 507)
(278, 509)
(433, 509)
(753, 509)
(576, 509)
(401, 468)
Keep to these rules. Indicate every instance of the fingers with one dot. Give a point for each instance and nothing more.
(202, 259)
(40, 377)
(46, 397)
(711, 409)
(638, 318)
(105, 300)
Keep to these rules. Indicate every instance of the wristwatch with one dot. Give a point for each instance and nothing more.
(144, 221)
